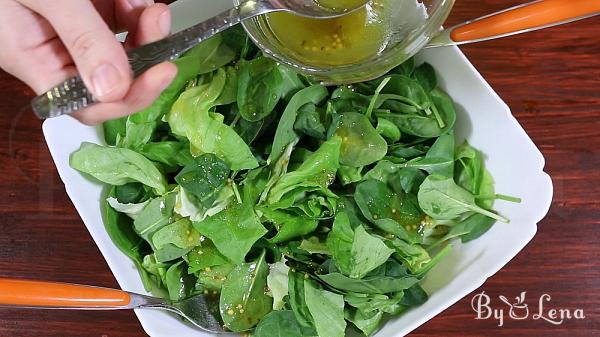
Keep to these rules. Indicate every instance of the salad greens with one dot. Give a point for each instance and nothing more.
(311, 210)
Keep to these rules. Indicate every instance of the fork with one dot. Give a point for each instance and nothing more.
(202, 311)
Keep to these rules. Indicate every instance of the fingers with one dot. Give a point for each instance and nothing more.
(142, 93)
(99, 57)
(127, 15)
(154, 24)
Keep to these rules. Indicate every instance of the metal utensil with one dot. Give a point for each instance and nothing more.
(73, 94)
(202, 311)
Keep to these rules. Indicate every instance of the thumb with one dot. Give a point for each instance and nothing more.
(99, 57)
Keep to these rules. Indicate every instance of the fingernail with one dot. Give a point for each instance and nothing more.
(105, 78)
(164, 22)
(139, 3)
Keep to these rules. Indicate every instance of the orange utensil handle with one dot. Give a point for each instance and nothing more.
(23, 293)
(529, 16)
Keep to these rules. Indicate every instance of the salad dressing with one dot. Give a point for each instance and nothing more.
(348, 40)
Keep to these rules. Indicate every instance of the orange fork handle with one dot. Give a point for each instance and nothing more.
(23, 293)
(533, 15)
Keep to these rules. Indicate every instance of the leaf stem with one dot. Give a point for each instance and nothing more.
(376, 96)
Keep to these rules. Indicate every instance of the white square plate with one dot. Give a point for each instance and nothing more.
(484, 120)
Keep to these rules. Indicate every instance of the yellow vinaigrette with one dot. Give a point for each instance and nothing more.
(341, 41)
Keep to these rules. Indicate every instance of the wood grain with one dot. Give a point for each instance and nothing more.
(550, 79)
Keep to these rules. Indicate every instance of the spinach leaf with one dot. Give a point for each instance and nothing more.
(205, 256)
(377, 201)
(208, 56)
(282, 324)
(204, 178)
(120, 229)
(339, 242)
(114, 130)
(213, 278)
(132, 193)
(309, 122)
(259, 88)
(317, 171)
(298, 299)
(369, 284)
(132, 210)
(117, 166)
(179, 283)
(278, 282)
(368, 253)
(425, 74)
(361, 143)
(233, 231)
(442, 199)
(289, 226)
(155, 216)
(326, 309)
(285, 134)
(315, 246)
(170, 153)
(388, 130)
(180, 233)
(187, 205)
(367, 322)
(243, 300)
(191, 117)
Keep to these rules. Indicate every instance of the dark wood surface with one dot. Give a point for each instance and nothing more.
(550, 79)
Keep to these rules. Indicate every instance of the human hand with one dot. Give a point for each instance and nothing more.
(46, 42)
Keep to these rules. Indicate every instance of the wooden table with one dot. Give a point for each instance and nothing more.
(550, 79)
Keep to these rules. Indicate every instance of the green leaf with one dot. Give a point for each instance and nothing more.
(233, 231)
(474, 226)
(377, 201)
(326, 309)
(317, 171)
(388, 130)
(117, 166)
(208, 56)
(367, 322)
(315, 246)
(298, 299)
(361, 143)
(204, 178)
(191, 117)
(169, 153)
(132, 210)
(187, 205)
(289, 226)
(179, 283)
(205, 256)
(368, 253)
(114, 130)
(132, 193)
(120, 230)
(259, 88)
(278, 282)
(244, 301)
(425, 74)
(339, 242)
(285, 133)
(376, 285)
(180, 233)
(282, 324)
(309, 122)
(390, 282)
(213, 278)
(442, 199)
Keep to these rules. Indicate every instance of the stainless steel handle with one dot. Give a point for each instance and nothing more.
(73, 95)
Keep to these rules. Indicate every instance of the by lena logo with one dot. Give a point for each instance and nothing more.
(519, 310)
